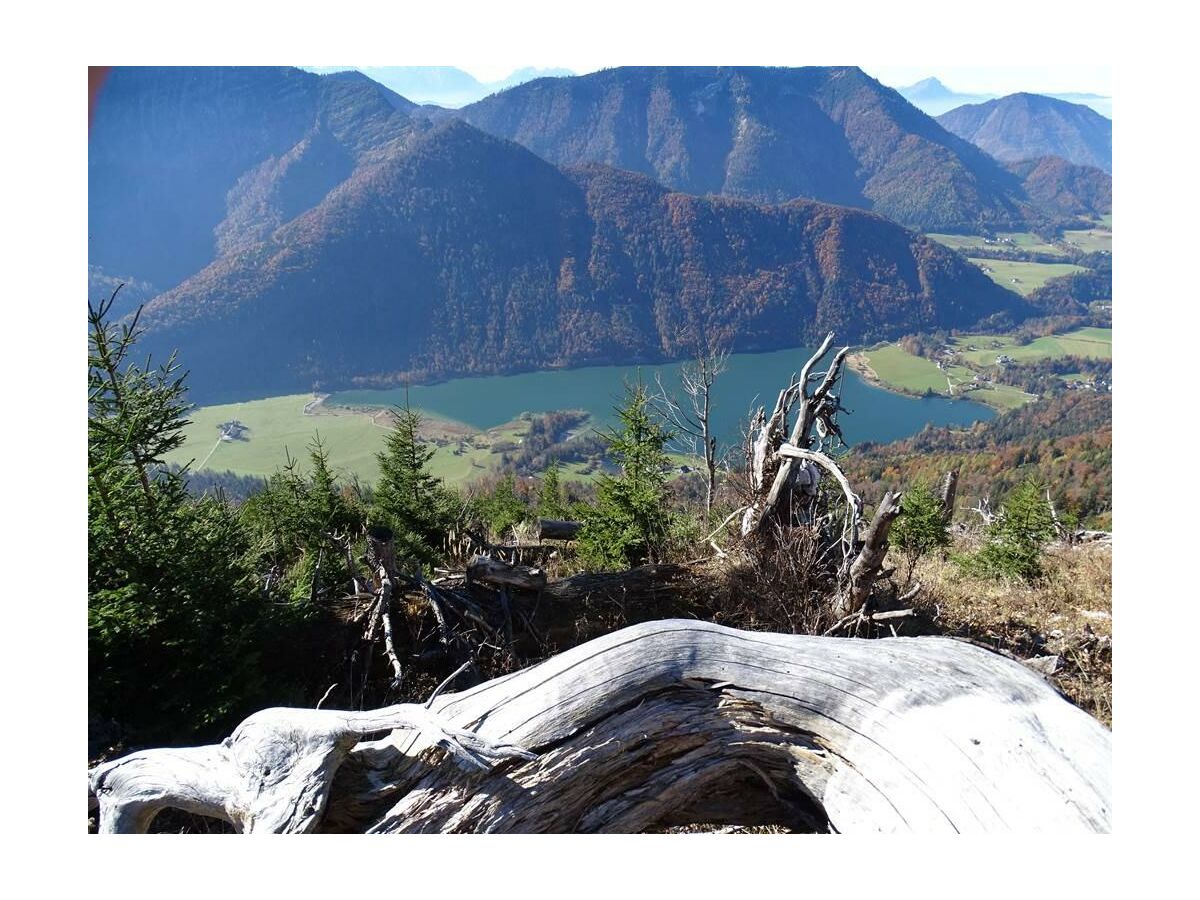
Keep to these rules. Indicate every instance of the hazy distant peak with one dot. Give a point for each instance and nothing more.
(1026, 126)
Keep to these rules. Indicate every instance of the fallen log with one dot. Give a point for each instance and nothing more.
(558, 529)
(665, 723)
(493, 571)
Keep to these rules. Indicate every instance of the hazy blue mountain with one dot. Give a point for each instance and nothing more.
(1028, 126)
(185, 163)
(446, 86)
(933, 98)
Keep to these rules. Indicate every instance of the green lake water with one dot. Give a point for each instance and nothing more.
(752, 379)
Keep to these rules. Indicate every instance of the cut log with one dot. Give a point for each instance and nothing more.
(665, 723)
(492, 571)
(558, 529)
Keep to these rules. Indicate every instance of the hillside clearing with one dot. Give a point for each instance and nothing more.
(1024, 277)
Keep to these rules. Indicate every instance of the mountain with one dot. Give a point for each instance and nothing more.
(772, 135)
(933, 98)
(185, 162)
(456, 253)
(1026, 126)
(528, 73)
(1064, 187)
(446, 86)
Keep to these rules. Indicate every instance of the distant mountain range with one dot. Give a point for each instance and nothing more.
(1026, 126)
(823, 133)
(323, 230)
(446, 85)
(932, 97)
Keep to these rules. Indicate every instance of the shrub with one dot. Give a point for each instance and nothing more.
(502, 509)
(920, 529)
(1017, 536)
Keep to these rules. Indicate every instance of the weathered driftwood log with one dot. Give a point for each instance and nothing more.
(492, 571)
(664, 723)
(558, 529)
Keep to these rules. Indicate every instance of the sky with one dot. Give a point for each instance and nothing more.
(964, 79)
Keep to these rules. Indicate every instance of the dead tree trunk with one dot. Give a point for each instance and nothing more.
(869, 561)
(947, 495)
(665, 723)
(816, 411)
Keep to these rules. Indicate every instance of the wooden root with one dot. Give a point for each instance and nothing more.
(660, 724)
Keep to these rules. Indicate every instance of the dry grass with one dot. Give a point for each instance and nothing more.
(1068, 614)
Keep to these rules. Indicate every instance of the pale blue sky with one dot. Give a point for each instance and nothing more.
(965, 79)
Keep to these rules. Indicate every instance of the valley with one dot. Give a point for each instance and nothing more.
(391, 401)
(470, 422)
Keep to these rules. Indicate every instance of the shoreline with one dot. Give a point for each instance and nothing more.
(859, 363)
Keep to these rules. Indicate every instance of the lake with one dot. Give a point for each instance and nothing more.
(752, 379)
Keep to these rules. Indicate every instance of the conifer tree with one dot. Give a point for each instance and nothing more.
(1017, 536)
(920, 529)
(409, 499)
(503, 508)
(172, 614)
(629, 523)
(551, 499)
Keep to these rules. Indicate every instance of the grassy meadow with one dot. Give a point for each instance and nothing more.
(899, 370)
(1029, 276)
(1011, 240)
(1090, 241)
(895, 368)
(1095, 343)
(352, 438)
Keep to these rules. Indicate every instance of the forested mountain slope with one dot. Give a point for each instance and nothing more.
(768, 134)
(465, 254)
(1025, 126)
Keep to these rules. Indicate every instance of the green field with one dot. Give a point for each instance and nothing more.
(1009, 240)
(1095, 343)
(897, 369)
(351, 438)
(1090, 241)
(1028, 276)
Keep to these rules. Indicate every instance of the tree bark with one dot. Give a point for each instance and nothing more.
(665, 723)
(869, 561)
(492, 571)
